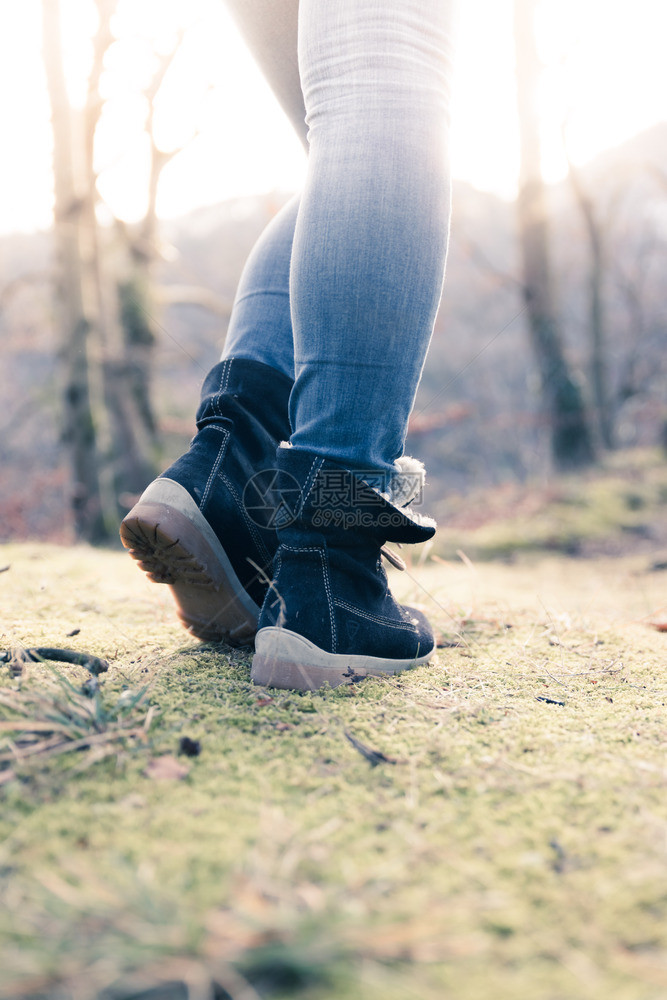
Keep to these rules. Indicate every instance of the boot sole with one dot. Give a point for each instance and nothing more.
(284, 659)
(174, 544)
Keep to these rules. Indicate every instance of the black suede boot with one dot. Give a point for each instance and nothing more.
(205, 527)
(329, 617)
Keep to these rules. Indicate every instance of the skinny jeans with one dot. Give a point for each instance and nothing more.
(342, 289)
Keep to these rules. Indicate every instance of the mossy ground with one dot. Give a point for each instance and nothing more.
(617, 507)
(514, 845)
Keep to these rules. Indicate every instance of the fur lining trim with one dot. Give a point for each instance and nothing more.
(405, 486)
(407, 482)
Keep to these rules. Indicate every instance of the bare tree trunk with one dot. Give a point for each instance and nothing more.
(128, 378)
(129, 373)
(135, 293)
(106, 293)
(596, 317)
(106, 339)
(128, 456)
(73, 314)
(137, 313)
(599, 373)
(571, 444)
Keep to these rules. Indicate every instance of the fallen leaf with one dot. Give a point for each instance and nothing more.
(166, 768)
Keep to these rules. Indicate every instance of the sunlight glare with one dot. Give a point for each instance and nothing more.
(604, 77)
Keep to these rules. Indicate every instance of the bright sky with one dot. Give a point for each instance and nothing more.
(605, 72)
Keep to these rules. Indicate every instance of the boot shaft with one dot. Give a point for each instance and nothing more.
(238, 387)
(329, 585)
(229, 469)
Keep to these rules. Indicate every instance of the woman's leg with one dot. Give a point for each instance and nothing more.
(367, 267)
(260, 326)
(369, 250)
(368, 260)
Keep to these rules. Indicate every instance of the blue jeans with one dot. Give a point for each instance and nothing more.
(342, 289)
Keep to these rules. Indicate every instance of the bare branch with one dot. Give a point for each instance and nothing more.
(102, 41)
(159, 159)
(483, 262)
(164, 63)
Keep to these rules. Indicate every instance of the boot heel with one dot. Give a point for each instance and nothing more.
(285, 659)
(273, 672)
(174, 544)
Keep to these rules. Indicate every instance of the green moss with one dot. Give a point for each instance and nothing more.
(515, 847)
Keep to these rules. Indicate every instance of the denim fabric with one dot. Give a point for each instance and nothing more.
(367, 258)
(260, 327)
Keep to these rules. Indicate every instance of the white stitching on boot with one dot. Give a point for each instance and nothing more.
(327, 583)
(379, 619)
(216, 464)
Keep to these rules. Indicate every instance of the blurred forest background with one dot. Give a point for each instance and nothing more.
(550, 348)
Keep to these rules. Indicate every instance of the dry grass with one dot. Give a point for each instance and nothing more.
(514, 845)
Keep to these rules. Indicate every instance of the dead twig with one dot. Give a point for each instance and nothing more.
(17, 657)
(374, 757)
